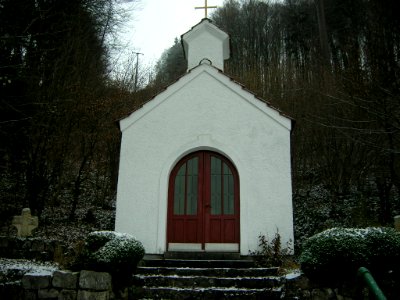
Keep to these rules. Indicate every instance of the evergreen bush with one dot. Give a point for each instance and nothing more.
(112, 252)
(337, 253)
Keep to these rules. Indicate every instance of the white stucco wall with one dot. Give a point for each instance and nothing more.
(205, 110)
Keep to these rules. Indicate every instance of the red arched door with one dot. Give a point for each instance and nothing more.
(203, 204)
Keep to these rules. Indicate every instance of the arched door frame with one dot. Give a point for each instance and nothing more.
(206, 227)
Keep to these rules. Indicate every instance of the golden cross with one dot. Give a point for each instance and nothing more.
(205, 7)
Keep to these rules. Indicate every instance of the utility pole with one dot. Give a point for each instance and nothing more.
(323, 34)
(137, 68)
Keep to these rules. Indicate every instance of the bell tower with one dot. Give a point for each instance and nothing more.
(205, 41)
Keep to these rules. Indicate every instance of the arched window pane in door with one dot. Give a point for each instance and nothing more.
(222, 188)
(216, 186)
(186, 188)
(179, 191)
(192, 186)
(229, 191)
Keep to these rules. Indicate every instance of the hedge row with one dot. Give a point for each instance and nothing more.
(337, 253)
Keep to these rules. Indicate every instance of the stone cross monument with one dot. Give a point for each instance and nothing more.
(25, 223)
(397, 223)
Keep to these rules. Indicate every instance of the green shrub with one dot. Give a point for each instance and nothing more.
(271, 253)
(337, 253)
(112, 252)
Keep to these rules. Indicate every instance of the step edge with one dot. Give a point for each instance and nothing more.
(198, 260)
(203, 268)
(210, 277)
(213, 288)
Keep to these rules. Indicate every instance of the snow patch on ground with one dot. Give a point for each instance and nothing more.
(24, 266)
(293, 275)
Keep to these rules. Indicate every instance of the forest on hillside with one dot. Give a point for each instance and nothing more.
(59, 109)
(332, 65)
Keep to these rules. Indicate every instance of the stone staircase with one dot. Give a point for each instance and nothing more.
(206, 278)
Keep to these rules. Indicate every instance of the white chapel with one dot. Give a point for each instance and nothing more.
(205, 165)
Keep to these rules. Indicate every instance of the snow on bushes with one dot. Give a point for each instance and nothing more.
(339, 252)
(111, 252)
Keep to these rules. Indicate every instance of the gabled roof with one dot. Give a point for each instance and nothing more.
(259, 102)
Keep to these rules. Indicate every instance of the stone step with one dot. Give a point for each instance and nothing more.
(159, 278)
(200, 263)
(202, 255)
(207, 281)
(214, 272)
(209, 293)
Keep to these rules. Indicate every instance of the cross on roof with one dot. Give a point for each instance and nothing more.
(205, 7)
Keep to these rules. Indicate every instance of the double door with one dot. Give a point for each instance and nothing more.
(203, 204)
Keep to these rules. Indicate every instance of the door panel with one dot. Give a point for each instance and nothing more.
(191, 231)
(203, 201)
(184, 211)
(229, 231)
(222, 192)
(215, 231)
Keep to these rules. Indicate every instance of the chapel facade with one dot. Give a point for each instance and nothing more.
(205, 165)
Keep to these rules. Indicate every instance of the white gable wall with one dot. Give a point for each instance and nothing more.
(205, 110)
